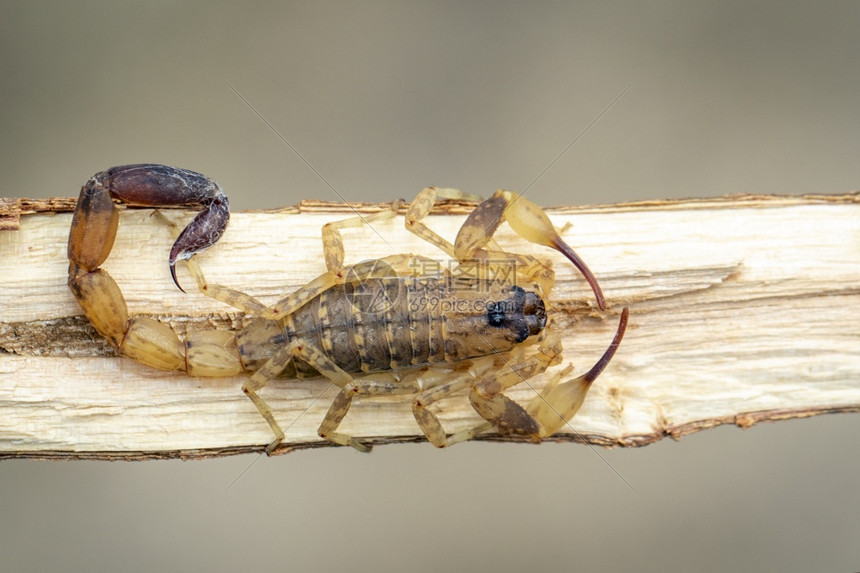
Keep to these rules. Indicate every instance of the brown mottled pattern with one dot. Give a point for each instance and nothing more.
(384, 323)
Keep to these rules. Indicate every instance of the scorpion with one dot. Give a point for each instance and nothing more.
(374, 328)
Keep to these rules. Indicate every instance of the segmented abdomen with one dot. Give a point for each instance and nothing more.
(375, 324)
(380, 324)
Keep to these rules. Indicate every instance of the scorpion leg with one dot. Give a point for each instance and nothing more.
(269, 371)
(302, 350)
(403, 265)
(380, 384)
(333, 240)
(334, 256)
(235, 298)
(527, 220)
(420, 208)
(486, 259)
(441, 385)
(349, 388)
(274, 366)
(432, 384)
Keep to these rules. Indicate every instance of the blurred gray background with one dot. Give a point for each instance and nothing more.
(383, 99)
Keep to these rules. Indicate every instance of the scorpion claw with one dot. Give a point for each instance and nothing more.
(527, 220)
(200, 234)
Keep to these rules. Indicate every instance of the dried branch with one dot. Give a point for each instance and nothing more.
(741, 312)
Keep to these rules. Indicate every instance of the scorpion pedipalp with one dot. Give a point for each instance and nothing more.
(529, 221)
(561, 399)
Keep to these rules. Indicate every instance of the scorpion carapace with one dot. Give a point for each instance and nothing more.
(375, 328)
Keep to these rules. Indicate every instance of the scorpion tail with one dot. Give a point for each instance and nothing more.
(95, 220)
(93, 230)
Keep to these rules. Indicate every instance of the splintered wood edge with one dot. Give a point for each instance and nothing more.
(11, 209)
(743, 421)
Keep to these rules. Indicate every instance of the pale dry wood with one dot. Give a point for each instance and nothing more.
(742, 310)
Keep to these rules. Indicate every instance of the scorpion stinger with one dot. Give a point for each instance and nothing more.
(201, 233)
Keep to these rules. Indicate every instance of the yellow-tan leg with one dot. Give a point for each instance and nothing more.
(235, 298)
(420, 208)
(333, 252)
(275, 365)
(442, 384)
(479, 255)
(333, 248)
(269, 371)
(314, 357)
(433, 385)
(509, 268)
(403, 265)
(388, 384)
(375, 385)
(349, 387)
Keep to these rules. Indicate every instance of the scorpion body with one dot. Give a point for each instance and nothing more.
(403, 329)
(378, 320)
